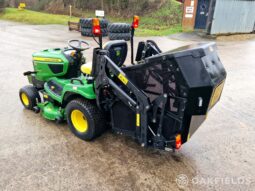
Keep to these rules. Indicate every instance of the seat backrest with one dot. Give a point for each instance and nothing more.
(117, 51)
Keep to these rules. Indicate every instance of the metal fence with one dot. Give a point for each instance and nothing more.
(233, 16)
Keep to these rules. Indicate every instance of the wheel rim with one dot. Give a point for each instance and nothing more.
(79, 121)
(24, 99)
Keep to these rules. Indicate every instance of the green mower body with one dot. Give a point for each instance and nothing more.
(58, 78)
(50, 63)
(60, 91)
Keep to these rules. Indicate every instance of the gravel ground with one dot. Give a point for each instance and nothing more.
(36, 154)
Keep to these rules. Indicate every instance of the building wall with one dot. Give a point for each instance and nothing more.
(189, 14)
(233, 16)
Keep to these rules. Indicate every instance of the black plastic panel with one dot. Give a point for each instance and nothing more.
(117, 51)
(190, 72)
(56, 68)
(123, 118)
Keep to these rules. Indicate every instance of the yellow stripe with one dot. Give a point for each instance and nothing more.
(188, 136)
(123, 79)
(137, 120)
(44, 59)
(216, 94)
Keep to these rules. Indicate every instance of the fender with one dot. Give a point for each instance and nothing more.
(72, 91)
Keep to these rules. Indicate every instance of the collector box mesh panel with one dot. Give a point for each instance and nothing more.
(155, 79)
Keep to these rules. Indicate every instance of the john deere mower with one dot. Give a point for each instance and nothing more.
(160, 99)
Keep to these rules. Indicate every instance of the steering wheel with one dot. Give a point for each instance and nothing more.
(79, 45)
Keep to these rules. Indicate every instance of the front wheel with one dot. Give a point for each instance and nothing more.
(29, 97)
(84, 119)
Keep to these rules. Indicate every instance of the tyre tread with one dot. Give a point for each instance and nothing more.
(93, 113)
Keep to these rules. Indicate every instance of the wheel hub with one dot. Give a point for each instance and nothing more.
(79, 121)
(25, 99)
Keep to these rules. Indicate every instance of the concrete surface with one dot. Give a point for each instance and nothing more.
(36, 154)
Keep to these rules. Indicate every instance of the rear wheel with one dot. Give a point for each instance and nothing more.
(29, 96)
(119, 28)
(88, 32)
(87, 23)
(84, 119)
(119, 36)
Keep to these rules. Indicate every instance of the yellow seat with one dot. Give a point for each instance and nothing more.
(86, 68)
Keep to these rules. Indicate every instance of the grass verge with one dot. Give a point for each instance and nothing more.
(33, 17)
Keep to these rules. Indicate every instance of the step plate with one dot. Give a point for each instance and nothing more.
(55, 87)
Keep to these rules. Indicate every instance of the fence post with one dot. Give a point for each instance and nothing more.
(70, 6)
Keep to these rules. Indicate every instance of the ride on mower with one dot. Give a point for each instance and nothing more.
(160, 100)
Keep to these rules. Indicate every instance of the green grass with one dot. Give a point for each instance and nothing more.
(160, 32)
(162, 22)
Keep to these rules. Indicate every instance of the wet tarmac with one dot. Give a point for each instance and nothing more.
(36, 154)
